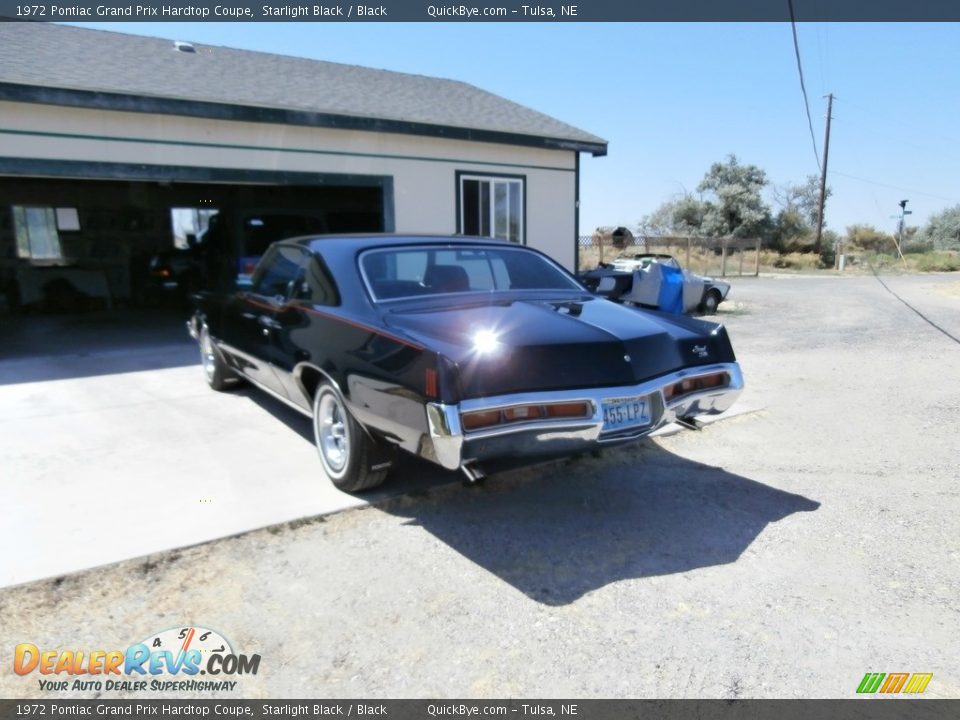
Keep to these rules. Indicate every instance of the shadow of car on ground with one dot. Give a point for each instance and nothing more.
(559, 531)
(562, 529)
(38, 348)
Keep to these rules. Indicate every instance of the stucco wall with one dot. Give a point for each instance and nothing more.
(423, 169)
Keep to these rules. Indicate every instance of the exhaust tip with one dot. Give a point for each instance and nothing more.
(474, 474)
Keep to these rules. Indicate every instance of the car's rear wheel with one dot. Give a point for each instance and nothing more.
(352, 459)
(218, 375)
(710, 302)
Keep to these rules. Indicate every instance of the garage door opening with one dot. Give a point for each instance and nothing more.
(121, 257)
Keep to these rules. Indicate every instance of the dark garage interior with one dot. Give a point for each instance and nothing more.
(115, 254)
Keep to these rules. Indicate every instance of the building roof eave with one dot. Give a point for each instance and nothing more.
(123, 102)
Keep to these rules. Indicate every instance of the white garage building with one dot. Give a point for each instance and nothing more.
(103, 134)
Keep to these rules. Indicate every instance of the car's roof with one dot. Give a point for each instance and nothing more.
(363, 240)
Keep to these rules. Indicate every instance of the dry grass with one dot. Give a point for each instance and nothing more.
(701, 261)
(707, 262)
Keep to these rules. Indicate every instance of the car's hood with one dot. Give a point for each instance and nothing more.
(525, 345)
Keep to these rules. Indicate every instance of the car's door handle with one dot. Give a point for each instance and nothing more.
(268, 322)
(248, 316)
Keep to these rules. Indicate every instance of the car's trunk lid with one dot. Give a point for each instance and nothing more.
(526, 345)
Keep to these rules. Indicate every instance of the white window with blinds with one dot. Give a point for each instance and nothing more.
(37, 233)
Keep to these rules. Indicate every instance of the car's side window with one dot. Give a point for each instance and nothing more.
(317, 285)
(276, 274)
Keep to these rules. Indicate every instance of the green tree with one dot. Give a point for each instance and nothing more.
(942, 230)
(795, 225)
(791, 233)
(680, 216)
(737, 207)
(803, 198)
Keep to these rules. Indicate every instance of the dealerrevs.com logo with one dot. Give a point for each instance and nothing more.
(167, 661)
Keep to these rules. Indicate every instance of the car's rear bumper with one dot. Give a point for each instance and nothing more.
(453, 447)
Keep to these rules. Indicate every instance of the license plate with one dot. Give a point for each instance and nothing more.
(621, 413)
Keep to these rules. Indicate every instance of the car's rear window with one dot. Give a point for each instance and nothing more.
(393, 273)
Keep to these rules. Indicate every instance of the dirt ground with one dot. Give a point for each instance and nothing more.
(781, 553)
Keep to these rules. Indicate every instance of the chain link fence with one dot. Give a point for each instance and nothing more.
(706, 256)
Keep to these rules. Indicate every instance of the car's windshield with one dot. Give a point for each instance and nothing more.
(394, 273)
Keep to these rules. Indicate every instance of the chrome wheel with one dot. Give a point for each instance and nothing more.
(352, 459)
(333, 433)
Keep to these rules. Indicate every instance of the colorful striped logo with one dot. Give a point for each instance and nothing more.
(890, 683)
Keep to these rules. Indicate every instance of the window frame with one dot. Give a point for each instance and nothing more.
(491, 178)
(268, 257)
(506, 247)
(331, 292)
(50, 215)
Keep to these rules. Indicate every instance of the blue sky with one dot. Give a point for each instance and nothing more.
(673, 98)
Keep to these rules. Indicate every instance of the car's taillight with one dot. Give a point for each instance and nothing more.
(521, 412)
(482, 419)
(479, 419)
(696, 384)
(568, 410)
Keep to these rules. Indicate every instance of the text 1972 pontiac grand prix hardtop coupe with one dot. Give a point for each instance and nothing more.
(463, 351)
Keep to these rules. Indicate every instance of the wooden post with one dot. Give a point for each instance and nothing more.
(756, 270)
(688, 252)
(723, 258)
(600, 243)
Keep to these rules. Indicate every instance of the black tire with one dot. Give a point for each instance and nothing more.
(711, 301)
(219, 376)
(352, 459)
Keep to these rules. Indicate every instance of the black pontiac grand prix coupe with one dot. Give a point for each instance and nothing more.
(462, 351)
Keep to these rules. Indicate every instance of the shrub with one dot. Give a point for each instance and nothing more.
(828, 257)
(915, 247)
(938, 262)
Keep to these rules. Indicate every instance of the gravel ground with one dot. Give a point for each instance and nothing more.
(781, 553)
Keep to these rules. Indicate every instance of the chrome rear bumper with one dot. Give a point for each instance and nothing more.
(454, 448)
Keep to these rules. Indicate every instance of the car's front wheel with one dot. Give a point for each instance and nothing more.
(351, 458)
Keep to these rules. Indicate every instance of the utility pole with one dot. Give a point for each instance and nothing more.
(823, 174)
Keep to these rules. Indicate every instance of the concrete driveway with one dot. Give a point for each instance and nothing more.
(113, 447)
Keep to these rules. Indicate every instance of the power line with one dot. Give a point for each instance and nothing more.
(875, 114)
(803, 87)
(939, 153)
(895, 187)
